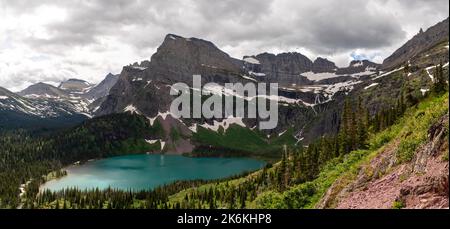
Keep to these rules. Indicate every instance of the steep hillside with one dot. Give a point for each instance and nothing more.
(405, 165)
(419, 43)
(410, 171)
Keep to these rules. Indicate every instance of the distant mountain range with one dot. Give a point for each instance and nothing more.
(43, 105)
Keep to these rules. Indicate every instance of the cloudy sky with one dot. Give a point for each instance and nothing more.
(53, 40)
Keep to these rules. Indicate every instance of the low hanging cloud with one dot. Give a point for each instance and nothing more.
(56, 40)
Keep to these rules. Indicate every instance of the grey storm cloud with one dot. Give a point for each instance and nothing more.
(229, 21)
(108, 28)
(323, 27)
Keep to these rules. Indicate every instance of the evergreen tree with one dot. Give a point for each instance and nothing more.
(440, 81)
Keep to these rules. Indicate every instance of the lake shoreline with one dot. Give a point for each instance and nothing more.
(243, 165)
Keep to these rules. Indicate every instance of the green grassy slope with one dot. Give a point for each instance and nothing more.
(240, 141)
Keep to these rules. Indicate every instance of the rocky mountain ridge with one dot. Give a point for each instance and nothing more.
(419, 43)
(74, 101)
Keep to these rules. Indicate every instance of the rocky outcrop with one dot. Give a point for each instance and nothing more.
(178, 58)
(421, 183)
(420, 42)
(102, 89)
(285, 68)
(323, 65)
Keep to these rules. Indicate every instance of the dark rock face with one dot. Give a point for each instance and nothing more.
(285, 68)
(178, 58)
(103, 88)
(356, 66)
(323, 65)
(420, 42)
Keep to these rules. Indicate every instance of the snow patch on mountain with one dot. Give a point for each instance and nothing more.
(319, 76)
(151, 142)
(388, 73)
(357, 64)
(139, 68)
(223, 91)
(348, 86)
(282, 133)
(193, 128)
(249, 78)
(256, 74)
(251, 60)
(372, 85)
(424, 91)
(163, 115)
(225, 123)
(132, 109)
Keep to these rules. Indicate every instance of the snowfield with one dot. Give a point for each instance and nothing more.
(387, 73)
(319, 76)
(372, 85)
(132, 109)
(225, 123)
(251, 60)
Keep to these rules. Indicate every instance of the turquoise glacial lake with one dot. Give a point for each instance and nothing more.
(138, 172)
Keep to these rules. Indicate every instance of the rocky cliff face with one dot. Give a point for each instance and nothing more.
(103, 88)
(422, 41)
(284, 68)
(321, 65)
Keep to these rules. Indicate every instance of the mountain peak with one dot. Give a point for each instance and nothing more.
(171, 36)
(4, 91)
(110, 75)
(416, 45)
(42, 89)
(178, 52)
(323, 65)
